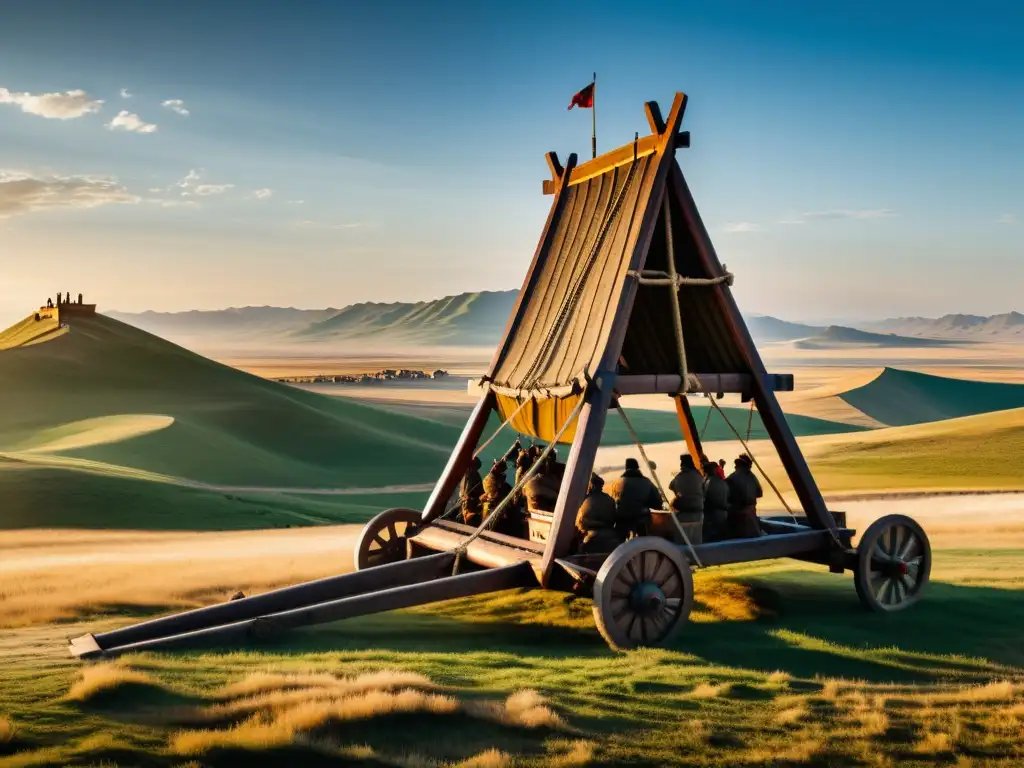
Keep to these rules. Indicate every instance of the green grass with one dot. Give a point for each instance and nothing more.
(899, 398)
(53, 498)
(779, 666)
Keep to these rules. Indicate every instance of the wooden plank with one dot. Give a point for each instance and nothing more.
(286, 598)
(690, 433)
(554, 166)
(654, 118)
(621, 156)
(767, 405)
(500, 538)
(531, 275)
(459, 460)
(762, 548)
(711, 383)
(578, 467)
(488, 554)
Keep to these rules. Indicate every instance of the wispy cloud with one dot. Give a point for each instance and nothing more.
(125, 94)
(56, 106)
(812, 216)
(326, 225)
(22, 193)
(1007, 218)
(295, 202)
(741, 226)
(262, 194)
(205, 190)
(129, 121)
(176, 105)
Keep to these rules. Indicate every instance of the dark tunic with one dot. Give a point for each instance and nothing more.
(470, 497)
(716, 505)
(688, 487)
(635, 495)
(595, 522)
(744, 491)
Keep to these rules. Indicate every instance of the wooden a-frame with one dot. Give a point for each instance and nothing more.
(748, 376)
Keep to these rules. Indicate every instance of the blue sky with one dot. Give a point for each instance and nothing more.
(851, 160)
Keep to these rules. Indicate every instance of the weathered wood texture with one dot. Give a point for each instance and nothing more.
(459, 460)
(710, 383)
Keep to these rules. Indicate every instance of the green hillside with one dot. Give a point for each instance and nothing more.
(899, 398)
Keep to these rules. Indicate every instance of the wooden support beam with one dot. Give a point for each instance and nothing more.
(769, 547)
(536, 547)
(488, 554)
(654, 118)
(603, 163)
(578, 467)
(710, 383)
(768, 407)
(554, 166)
(458, 462)
(690, 433)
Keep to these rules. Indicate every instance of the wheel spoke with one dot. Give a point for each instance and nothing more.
(631, 570)
(664, 572)
(910, 545)
(378, 541)
(899, 591)
(880, 589)
(391, 530)
(878, 554)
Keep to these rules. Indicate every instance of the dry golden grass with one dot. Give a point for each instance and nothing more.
(271, 710)
(48, 576)
(492, 758)
(103, 678)
(708, 690)
(577, 753)
(1002, 690)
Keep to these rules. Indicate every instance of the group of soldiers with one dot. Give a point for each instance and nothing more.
(726, 506)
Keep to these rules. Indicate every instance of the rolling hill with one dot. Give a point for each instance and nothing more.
(110, 426)
(897, 397)
(1008, 326)
(468, 319)
(465, 319)
(837, 336)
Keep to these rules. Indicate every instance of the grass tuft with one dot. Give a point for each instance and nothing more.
(8, 730)
(105, 678)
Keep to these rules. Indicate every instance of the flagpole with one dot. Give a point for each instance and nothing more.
(593, 117)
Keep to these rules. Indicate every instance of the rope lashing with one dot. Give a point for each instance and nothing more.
(653, 277)
(707, 421)
(493, 517)
(657, 482)
(750, 419)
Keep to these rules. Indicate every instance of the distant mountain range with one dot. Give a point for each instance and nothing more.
(1009, 325)
(478, 319)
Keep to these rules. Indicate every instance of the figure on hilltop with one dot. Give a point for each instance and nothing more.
(49, 303)
(79, 298)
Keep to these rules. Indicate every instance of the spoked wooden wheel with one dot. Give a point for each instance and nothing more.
(894, 561)
(383, 538)
(642, 594)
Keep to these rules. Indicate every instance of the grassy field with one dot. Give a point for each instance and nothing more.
(779, 666)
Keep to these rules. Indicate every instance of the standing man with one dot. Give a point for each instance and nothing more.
(595, 521)
(470, 490)
(744, 491)
(716, 504)
(635, 496)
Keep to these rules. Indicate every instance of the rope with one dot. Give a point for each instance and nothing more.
(493, 517)
(704, 429)
(754, 460)
(677, 319)
(750, 419)
(572, 296)
(657, 482)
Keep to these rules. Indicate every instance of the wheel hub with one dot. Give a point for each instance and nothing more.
(647, 597)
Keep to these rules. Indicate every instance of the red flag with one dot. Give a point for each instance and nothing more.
(584, 99)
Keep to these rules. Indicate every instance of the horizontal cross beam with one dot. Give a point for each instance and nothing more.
(609, 160)
(710, 383)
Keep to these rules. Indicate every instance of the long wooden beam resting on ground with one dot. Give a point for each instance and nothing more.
(621, 156)
(405, 596)
(318, 591)
(710, 383)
